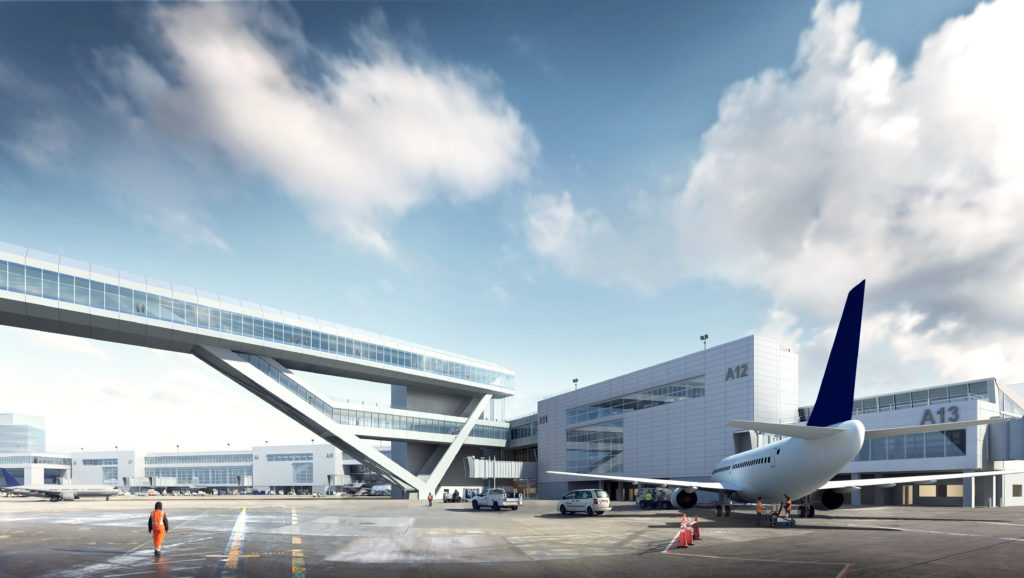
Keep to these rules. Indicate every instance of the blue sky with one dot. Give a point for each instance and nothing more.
(568, 189)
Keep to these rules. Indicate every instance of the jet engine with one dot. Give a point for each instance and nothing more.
(67, 496)
(684, 500)
(829, 499)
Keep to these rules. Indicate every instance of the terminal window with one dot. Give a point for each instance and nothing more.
(685, 389)
(594, 448)
(1017, 490)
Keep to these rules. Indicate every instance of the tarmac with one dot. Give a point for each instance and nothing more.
(306, 536)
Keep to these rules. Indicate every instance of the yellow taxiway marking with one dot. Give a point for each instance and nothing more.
(238, 536)
(298, 558)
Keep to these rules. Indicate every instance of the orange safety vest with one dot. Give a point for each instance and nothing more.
(760, 507)
(158, 519)
(789, 504)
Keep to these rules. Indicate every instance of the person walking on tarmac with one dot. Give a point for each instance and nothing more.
(158, 526)
(430, 499)
(760, 510)
(787, 506)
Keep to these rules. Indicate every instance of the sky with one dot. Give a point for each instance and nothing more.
(568, 189)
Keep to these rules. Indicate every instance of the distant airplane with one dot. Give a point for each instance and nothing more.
(802, 465)
(56, 492)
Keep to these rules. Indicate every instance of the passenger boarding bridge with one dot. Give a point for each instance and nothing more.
(259, 348)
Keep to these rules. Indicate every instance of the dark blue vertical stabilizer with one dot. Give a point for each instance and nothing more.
(835, 397)
(9, 480)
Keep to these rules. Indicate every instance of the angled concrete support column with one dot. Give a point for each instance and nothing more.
(453, 450)
(245, 374)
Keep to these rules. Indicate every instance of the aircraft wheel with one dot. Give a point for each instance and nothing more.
(810, 512)
(561, 509)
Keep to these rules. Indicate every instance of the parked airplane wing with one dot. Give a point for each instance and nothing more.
(895, 431)
(855, 484)
(807, 432)
(688, 486)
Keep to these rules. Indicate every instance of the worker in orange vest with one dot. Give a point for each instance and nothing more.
(760, 510)
(787, 506)
(158, 526)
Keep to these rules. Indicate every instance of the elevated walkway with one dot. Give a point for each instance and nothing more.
(260, 348)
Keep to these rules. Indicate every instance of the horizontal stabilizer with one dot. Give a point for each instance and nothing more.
(688, 486)
(895, 431)
(807, 432)
(840, 485)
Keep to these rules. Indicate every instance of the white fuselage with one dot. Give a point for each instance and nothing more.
(60, 490)
(792, 466)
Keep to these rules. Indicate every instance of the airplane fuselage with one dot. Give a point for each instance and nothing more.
(791, 466)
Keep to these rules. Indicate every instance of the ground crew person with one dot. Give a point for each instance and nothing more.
(648, 499)
(760, 510)
(158, 526)
(787, 505)
(430, 499)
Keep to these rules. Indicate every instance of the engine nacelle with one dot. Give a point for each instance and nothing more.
(828, 500)
(67, 496)
(683, 500)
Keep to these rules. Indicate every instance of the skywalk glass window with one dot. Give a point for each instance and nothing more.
(33, 281)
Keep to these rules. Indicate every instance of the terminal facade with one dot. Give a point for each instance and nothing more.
(443, 430)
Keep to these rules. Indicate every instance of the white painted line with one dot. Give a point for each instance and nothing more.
(669, 546)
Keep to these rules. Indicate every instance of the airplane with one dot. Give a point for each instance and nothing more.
(56, 492)
(802, 464)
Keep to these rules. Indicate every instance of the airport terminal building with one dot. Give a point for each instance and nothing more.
(446, 427)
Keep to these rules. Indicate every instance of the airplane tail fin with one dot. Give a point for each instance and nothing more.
(835, 396)
(9, 480)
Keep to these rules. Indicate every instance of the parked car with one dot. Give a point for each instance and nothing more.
(589, 501)
(496, 499)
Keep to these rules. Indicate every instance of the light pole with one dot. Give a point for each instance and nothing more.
(704, 340)
(575, 382)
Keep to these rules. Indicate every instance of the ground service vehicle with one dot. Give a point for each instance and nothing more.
(589, 501)
(496, 499)
(661, 498)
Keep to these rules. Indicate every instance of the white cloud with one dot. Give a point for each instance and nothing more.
(38, 136)
(110, 394)
(586, 245)
(847, 166)
(66, 344)
(375, 135)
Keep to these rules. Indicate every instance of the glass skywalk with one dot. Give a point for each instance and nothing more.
(188, 310)
(374, 419)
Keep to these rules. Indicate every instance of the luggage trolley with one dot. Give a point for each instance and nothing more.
(775, 519)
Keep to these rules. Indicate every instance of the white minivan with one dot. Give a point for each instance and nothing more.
(589, 501)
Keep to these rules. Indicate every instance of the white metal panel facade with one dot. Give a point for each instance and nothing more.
(683, 439)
